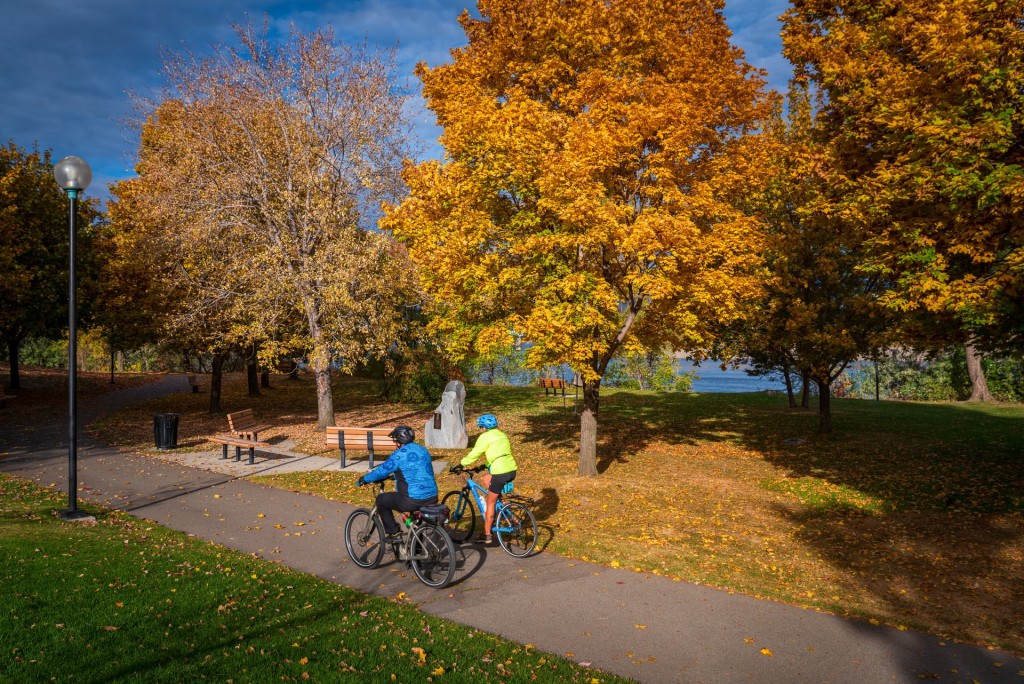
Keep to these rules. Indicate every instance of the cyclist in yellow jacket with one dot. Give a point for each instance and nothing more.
(494, 446)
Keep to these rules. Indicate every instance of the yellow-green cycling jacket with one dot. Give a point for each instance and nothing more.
(497, 450)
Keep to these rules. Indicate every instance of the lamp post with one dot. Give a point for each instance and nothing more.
(72, 175)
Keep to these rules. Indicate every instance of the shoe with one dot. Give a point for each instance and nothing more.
(483, 539)
(395, 538)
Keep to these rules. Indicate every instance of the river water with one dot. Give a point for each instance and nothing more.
(711, 378)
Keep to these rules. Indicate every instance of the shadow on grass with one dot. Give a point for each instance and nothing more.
(916, 505)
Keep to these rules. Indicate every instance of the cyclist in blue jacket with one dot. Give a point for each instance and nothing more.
(415, 485)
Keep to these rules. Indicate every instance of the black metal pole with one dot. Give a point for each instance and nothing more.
(72, 368)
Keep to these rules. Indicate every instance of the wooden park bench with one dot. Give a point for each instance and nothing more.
(553, 384)
(243, 425)
(194, 381)
(239, 444)
(362, 439)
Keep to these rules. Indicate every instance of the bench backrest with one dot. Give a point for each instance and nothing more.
(240, 420)
(192, 380)
(552, 382)
(356, 437)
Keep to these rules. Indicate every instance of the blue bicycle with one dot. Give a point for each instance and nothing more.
(514, 524)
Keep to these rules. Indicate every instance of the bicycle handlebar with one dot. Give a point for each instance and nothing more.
(458, 469)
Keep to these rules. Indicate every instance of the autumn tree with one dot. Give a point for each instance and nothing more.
(924, 117)
(266, 164)
(132, 302)
(34, 243)
(583, 202)
(820, 311)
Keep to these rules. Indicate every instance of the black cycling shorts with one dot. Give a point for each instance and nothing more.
(499, 481)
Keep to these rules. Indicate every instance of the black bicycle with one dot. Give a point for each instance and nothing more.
(425, 545)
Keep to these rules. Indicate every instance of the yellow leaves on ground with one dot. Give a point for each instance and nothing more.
(767, 652)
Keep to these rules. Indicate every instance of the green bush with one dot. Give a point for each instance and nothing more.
(651, 371)
(39, 351)
(909, 376)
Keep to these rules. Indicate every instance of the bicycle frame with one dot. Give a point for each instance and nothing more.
(421, 548)
(479, 495)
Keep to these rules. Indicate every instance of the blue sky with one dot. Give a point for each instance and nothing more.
(66, 67)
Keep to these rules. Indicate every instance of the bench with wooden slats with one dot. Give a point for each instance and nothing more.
(362, 439)
(243, 425)
(239, 444)
(553, 384)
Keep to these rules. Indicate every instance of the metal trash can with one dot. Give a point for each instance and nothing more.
(165, 430)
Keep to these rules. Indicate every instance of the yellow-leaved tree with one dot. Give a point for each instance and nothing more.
(263, 166)
(592, 149)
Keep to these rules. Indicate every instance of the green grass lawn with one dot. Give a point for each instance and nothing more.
(125, 600)
(908, 514)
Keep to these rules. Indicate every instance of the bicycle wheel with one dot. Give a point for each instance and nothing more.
(463, 515)
(516, 528)
(432, 555)
(364, 538)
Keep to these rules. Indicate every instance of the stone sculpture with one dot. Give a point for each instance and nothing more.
(446, 429)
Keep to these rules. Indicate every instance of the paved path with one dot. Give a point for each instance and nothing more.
(640, 626)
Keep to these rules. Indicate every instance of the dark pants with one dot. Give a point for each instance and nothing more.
(388, 502)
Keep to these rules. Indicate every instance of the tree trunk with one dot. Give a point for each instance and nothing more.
(112, 356)
(265, 377)
(588, 429)
(13, 344)
(320, 361)
(324, 399)
(805, 382)
(789, 385)
(877, 392)
(216, 379)
(252, 375)
(979, 386)
(824, 406)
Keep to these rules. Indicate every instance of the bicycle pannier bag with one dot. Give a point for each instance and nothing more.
(434, 514)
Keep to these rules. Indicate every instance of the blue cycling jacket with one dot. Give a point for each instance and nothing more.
(414, 475)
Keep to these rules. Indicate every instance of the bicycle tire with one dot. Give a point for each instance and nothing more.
(364, 538)
(462, 515)
(520, 536)
(432, 555)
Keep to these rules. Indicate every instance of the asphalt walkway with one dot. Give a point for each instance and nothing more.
(636, 625)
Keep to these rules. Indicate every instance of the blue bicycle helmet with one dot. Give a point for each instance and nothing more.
(488, 421)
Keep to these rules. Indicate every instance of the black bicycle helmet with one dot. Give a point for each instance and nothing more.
(403, 434)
